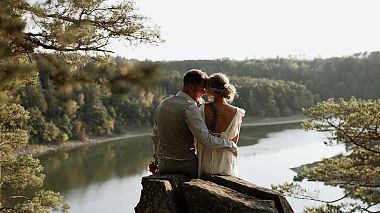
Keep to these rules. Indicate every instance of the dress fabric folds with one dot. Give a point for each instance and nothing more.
(220, 161)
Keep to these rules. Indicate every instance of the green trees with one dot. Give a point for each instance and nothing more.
(93, 112)
(44, 48)
(356, 124)
(20, 173)
(270, 98)
(40, 130)
(100, 105)
(337, 77)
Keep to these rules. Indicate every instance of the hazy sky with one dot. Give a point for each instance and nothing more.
(239, 29)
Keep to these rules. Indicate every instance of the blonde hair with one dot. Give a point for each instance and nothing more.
(218, 85)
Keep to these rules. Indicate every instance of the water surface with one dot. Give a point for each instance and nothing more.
(104, 177)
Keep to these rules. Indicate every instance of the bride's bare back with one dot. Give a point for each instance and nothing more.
(219, 116)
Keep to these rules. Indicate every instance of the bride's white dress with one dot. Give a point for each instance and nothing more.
(220, 161)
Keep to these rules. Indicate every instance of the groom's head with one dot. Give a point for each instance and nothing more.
(194, 83)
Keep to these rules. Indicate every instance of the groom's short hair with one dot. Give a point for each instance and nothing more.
(194, 77)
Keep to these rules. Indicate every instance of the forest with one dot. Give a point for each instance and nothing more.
(266, 88)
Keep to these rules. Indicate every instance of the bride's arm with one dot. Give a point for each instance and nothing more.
(199, 129)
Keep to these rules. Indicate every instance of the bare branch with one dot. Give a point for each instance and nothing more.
(303, 197)
(52, 47)
(352, 140)
(15, 197)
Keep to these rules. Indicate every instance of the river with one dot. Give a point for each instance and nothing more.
(106, 177)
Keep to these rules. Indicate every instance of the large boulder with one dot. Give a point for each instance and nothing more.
(162, 193)
(177, 193)
(208, 197)
(251, 189)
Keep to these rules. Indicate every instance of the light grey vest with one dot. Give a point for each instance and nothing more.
(175, 138)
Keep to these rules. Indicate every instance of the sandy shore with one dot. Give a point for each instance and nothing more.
(37, 150)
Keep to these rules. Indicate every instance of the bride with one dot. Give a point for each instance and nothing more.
(221, 118)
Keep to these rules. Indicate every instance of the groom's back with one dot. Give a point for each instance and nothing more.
(175, 138)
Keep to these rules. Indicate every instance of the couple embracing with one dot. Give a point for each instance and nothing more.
(191, 136)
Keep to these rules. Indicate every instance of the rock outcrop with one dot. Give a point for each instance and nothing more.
(212, 193)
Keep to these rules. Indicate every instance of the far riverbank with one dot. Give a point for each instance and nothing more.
(38, 149)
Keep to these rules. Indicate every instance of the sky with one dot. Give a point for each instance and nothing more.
(258, 29)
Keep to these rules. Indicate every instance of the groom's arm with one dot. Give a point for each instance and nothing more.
(199, 129)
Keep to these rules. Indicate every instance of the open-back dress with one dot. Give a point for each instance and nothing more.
(220, 161)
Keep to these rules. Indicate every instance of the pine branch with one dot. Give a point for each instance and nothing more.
(367, 209)
(15, 197)
(65, 49)
(352, 139)
(303, 197)
(8, 209)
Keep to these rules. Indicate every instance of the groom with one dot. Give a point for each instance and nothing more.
(177, 122)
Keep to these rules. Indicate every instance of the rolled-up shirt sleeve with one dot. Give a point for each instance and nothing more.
(199, 129)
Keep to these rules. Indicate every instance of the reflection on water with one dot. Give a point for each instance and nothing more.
(250, 135)
(107, 176)
(88, 165)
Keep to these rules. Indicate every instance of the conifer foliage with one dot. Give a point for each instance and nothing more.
(62, 35)
(354, 123)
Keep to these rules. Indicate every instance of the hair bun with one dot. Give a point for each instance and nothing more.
(218, 84)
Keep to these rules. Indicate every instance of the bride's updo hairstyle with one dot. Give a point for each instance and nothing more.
(218, 85)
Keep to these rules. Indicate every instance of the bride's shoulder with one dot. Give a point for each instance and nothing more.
(240, 110)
